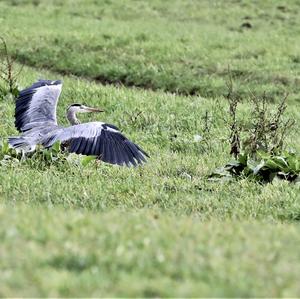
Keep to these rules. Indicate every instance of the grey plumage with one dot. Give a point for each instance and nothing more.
(35, 118)
(37, 104)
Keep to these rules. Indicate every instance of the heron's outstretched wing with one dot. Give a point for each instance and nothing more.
(98, 139)
(36, 105)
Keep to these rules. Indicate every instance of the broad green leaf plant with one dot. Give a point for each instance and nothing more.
(42, 157)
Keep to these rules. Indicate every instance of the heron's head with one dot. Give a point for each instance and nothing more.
(79, 108)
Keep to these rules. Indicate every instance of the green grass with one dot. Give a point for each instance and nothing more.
(169, 45)
(145, 253)
(173, 179)
(161, 229)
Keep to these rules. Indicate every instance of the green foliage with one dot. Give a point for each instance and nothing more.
(43, 158)
(265, 169)
(8, 74)
(258, 146)
(269, 127)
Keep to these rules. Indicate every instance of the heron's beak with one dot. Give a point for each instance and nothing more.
(90, 109)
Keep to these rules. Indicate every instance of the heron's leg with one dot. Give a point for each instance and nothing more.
(98, 162)
(23, 155)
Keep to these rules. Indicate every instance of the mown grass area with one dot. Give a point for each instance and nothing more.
(158, 230)
(162, 229)
(176, 46)
(53, 252)
(174, 179)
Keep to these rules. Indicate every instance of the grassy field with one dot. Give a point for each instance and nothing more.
(161, 229)
(178, 46)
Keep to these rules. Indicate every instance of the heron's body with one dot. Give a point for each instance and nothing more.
(36, 120)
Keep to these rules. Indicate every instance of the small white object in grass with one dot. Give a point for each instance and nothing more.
(160, 257)
(186, 175)
(198, 138)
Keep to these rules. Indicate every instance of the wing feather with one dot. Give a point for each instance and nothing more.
(94, 147)
(113, 150)
(75, 143)
(125, 150)
(101, 140)
(119, 156)
(88, 148)
(134, 151)
(107, 147)
(82, 146)
(37, 104)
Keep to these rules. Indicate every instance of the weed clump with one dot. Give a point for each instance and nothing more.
(258, 147)
(42, 158)
(8, 73)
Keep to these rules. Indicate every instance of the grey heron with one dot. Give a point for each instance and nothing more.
(35, 119)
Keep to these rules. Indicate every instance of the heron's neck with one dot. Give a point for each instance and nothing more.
(71, 116)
